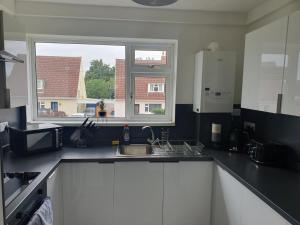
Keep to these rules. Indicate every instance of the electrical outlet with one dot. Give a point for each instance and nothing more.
(249, 125)
(3, 126)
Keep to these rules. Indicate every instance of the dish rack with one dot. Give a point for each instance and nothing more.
(182, 148)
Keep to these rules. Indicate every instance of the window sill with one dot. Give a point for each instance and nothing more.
(107, 124)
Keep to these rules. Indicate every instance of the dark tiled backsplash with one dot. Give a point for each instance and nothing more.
(275, 127)
(184, 129)
(269, 127)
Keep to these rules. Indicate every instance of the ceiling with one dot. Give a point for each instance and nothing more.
(206, 5)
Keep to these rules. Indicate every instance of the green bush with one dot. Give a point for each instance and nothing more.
(158, 111)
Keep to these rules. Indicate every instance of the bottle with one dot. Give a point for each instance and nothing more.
(216, 135)
(126, 135)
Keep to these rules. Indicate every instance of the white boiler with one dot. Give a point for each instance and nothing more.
(214, 81)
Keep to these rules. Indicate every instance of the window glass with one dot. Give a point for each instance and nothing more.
(16, 79)
(150, 95)
(152, 58)
(80, 80)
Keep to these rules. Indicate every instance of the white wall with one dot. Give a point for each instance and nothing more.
(8, 6)
(191, 38)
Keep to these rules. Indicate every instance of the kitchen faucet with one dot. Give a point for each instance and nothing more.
(152, 140)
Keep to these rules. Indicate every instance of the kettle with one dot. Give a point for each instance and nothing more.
(235, 140)
(238, 140)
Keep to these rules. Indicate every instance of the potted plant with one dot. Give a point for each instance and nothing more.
(100, 109)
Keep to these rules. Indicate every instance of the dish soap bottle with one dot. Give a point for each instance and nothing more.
(126, 135)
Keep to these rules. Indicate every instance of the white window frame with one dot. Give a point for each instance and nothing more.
(169, 71)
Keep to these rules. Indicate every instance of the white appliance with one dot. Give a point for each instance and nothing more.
(214, 81)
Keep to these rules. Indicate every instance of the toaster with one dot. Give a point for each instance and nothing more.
(270, 153)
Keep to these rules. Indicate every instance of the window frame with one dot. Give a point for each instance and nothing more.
(131, 70)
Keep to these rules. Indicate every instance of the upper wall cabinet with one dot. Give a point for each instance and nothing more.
(264, 67)
(291, 84)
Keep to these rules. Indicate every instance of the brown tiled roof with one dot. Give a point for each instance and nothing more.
(141, 84)
(60, 75)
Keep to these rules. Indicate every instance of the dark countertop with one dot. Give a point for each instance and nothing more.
(279, 188)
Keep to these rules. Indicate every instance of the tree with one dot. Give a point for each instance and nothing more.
(100, 88)
(100, 70)
(100, 80)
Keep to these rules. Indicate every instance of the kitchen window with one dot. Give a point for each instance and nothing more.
(85, 76)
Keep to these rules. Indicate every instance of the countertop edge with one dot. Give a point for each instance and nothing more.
(10, 209)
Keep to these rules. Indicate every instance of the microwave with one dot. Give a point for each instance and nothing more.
(35, 138)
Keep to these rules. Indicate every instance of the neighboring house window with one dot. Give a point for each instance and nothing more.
(40, 85)
(153, 108)
(125, 75)
(156, 87)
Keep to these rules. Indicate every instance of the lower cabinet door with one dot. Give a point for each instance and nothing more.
(187, 193)
(138, 193)
(255, 211)
(88, 193)
(54, 191)
(235, 204)
(227, 199)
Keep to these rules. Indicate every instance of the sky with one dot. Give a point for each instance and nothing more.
(108, 53)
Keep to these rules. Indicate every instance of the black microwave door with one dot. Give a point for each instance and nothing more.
(40, 140)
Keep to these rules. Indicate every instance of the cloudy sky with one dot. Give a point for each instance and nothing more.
(107, 53)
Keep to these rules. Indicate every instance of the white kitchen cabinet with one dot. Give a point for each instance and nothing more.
(1, 191)
(255, 211)
(226, 205)
(138, 193)
(264, 67)
(54, 191)
(214, 81)
(88, 193)
(187, 193)
(291, 85)
(235, 204)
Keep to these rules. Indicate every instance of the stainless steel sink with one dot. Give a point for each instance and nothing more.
(173, 149)
(135, 150)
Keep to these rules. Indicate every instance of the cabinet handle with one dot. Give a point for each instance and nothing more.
(279, 103)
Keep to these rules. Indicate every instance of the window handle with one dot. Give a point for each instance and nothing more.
(279, 103)
(151, 66)
(131, 96)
